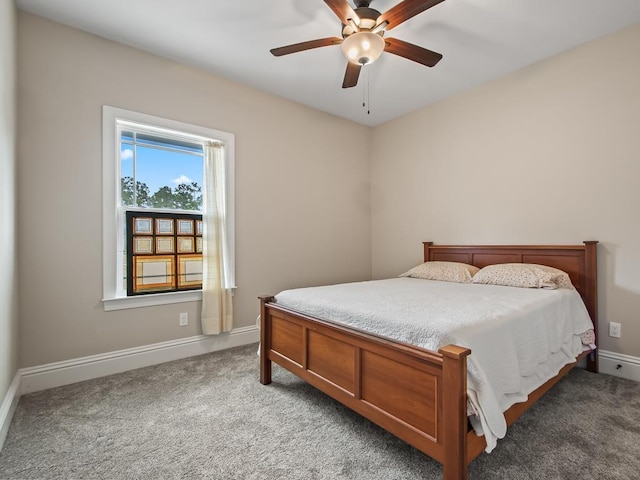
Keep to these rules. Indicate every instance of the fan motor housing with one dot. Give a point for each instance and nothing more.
(366, 13)
(368, 18)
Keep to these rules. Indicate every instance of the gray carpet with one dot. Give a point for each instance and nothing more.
(209, 417)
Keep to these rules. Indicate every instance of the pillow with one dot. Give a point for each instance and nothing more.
(526, 275)
(444, 271)
(589, 338)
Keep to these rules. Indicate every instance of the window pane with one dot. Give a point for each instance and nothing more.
(167, 172)
(171, 179)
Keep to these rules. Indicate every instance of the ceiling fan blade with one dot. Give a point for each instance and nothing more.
(404, 11)
(351, 75)
(343, 10)
(412, 52)
(299, 47)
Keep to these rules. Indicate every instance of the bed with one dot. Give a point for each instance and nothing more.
(417, 394)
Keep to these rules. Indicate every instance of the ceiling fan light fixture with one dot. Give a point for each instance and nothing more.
(363, 29)
(363, 47)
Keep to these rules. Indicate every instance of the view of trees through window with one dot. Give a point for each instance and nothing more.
(160, 172)
(185, 196)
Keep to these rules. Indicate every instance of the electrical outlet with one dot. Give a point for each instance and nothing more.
(615, 329)
(184, 320)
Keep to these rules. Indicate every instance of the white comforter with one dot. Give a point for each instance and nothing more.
(519, 337)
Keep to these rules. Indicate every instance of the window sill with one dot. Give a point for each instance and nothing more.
(123, 303)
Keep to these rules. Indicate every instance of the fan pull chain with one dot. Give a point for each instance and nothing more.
(366, 90)
(364, 73)
(368, 95)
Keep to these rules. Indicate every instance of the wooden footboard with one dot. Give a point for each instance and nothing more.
(408, 391)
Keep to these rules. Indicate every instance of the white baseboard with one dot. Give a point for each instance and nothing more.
(8, 407)
(34, 379)
(619, 365)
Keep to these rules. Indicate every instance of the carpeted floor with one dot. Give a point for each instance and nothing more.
(209, 417)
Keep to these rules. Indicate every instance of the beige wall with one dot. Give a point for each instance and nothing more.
(8, 265)
(545, 155)
(549, 154)
(302, 190)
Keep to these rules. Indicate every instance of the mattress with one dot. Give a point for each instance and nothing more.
(519, 337)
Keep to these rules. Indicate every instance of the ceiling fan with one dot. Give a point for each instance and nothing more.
(362, 39)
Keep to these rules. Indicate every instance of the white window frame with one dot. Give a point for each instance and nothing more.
(113, 296)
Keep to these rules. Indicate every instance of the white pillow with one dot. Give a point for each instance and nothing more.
(444, 271)
(526, 275)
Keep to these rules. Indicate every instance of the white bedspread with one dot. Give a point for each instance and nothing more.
(519, 337)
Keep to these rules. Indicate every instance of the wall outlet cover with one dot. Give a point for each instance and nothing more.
(615, 329)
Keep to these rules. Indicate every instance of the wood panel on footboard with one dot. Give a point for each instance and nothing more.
(416, 394)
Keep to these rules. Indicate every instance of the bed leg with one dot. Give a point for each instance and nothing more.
(454, 473)
(265, 368)
(454, 377)
(591, 296)
(265, 341)
(592, 361)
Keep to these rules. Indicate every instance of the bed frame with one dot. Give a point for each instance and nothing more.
(416, 394)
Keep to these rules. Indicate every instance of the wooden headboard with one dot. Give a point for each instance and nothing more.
(579, 261)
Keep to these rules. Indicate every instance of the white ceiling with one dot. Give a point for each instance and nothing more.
(480, 40)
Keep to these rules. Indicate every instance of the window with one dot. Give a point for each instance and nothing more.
(152, 208)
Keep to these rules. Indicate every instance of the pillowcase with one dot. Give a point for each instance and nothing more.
(444, 271)
(526, 275)
(589, 338)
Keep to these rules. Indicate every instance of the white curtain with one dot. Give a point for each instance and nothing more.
(217, 309)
